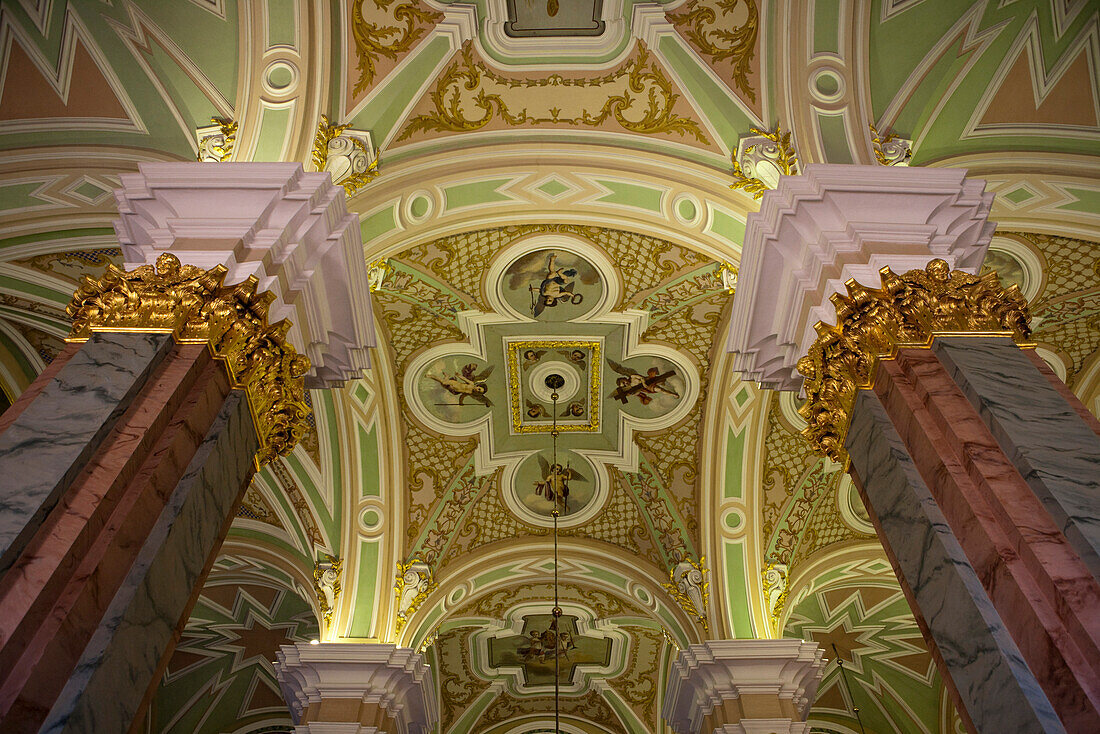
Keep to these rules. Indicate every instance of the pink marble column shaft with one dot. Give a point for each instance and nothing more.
(1043, 592)
(54, 596)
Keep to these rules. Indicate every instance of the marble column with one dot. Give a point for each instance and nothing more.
(743, 687)
(980, 470)
(125, 460)
(357, 688)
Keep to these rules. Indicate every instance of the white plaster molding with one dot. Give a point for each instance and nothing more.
(525, 53)
(705, 675)
(576, 166)
(288, 228)
(649, 23)
(394, 678)
(459, 21)
(834, 223)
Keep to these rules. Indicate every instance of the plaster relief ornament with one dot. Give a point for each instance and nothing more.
(414, 583)
(326, 582)
(689, 586)
(761, 159)
(377, 272)
(890, 150)
(216, 140)
(775, 591)
(347, 155)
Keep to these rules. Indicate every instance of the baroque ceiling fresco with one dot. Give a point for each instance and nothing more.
(544, 187)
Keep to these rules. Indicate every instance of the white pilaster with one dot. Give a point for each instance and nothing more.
(834, 223)
(768, 676)
(390, 678)
(288, 228)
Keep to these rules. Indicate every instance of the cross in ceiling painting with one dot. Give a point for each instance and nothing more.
(552, 301)
(533, 650)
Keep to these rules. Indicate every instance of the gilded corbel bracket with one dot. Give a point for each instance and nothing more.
(909, 310)
(760, 160)
(195, 307)
(216, 140)
(413, 584)
(326, 584)
(690, 587)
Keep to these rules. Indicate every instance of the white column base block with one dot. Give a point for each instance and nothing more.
(738, 686)
(288, 228)
(839, 222)
(351, 688)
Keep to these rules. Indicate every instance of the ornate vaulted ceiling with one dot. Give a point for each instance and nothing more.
(544, 186)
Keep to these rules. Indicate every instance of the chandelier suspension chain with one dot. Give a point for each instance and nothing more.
(557, 609)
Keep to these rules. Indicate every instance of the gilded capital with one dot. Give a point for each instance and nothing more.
(195, 307)
(909, 310)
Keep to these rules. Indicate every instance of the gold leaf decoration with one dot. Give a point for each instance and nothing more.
(216, 141)
(690, 587)
(776, 149)
(890, 150)
(326, 584)
(195, 307)
(706, 25)
(873, 323)
(637, 96)
(413, 584)
(352, 149)
(410, 21)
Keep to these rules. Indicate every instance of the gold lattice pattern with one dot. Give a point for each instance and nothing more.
(1072, 264)
(687, 332)
(616, 523)
(430, 465)
(825, 528)
(411, 328)
(643, 262)
(787, 456)
(491, 522)
(460, 260)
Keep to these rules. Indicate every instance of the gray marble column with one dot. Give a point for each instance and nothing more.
(125, 656)
(54, 437)
(1056, 453)
(998, 691)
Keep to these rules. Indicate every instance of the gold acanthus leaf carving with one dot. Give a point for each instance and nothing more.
(873, 323)
(889, 149)
(353, 150)
(410, 21)
(774, 150)
(736, 44)
(637, 95)
(195, 307)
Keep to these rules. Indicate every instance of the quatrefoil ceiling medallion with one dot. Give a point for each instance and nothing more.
(553, 302)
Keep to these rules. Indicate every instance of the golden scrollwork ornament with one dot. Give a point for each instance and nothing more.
(689, 586)
(413, 585)
(761, 159)
(346, 154)
(326, 584)
(890, 150)
(909, 310)
(216, 140)
(195, 307)
(774, 579)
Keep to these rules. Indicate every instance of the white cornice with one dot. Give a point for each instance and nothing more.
(287, 228)
(834, 223)
(706, 675)
(394, 678)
